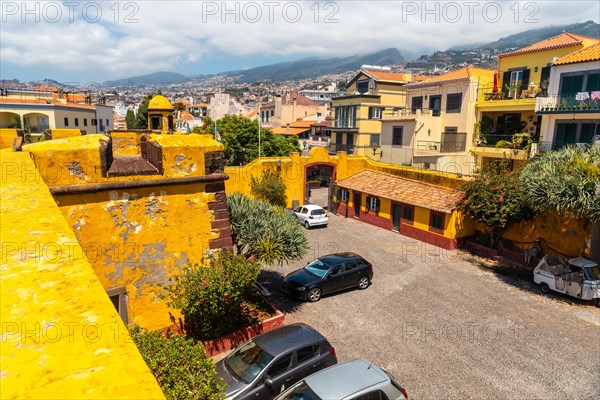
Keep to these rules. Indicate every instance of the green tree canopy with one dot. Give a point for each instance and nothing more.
(179, 106)
(141, 118)
(130, 119)
(494, 198)
(566, 181)
(240, 138)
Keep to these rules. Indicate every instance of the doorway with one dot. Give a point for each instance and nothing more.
(357, 204)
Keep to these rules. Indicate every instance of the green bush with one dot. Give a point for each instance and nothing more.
(265, 231)
(269, 188)
(180, 366)
(502, 144)
(210, 297)
(522, 140)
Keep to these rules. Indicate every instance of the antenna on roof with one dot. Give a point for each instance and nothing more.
(371, 363)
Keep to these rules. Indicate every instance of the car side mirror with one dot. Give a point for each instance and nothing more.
(268, 382)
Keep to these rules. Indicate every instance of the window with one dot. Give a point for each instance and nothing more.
(344, 195)
(514, 81)
(280, 366)
(118, 296)
(66, 121)
(362, 86)
(338, 269)
(373, 203)
(568, 133)
(272, 113)
(375, 112)
(408, 213)
(417, 104)
(397, 135)
(452, 141)
(306, 353)
(376, 395)
(76, 121)
(435, 105)
(108, 124)
(94, 122)
(453, 102)
(85, 122)
(436, 221)
(374, 140)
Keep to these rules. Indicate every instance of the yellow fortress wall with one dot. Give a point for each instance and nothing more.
(61, 336)
(136, 230)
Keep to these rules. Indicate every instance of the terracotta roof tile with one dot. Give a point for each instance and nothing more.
(408, 191)
(288, 131)
(591, 53)
(563, 40)
(390, 76)
(459, 74)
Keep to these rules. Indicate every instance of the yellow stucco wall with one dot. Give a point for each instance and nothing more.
(293, 171)
(7, 136)
(134, 237)
(65, 133)
(61, 335)
(148, 235)
(570, 237)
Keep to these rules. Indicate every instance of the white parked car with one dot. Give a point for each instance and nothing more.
(579, 277)
(311, 215)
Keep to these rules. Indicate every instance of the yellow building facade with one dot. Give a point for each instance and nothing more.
(523, 75)
(356, 117)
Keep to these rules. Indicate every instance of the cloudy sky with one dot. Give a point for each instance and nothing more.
(93, 41)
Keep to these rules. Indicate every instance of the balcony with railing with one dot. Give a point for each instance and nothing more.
(335, 147)
(569, 103)
(513, 96)
(450, 143)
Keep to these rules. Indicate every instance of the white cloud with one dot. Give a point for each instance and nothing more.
(169, 34)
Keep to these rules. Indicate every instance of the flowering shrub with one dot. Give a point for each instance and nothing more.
(494, 197)
(210, 296)
(179, 365)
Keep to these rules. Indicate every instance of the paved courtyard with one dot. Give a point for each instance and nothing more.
(447, 327)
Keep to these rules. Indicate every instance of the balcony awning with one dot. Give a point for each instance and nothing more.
(494, 152)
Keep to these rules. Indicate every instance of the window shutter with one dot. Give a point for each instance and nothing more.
(377, 205)
(370, 112)
(506, 83)
(338, 194)
(525, 84)
(368, 203)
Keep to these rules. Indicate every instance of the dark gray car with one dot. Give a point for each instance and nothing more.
(265, 366)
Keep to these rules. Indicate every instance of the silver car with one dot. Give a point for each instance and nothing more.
(311, 215)
(358, 379)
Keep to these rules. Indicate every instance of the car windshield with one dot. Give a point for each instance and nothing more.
(317, 268)
(247, 362)
(299, 391)
(320, 211)
(591, 274)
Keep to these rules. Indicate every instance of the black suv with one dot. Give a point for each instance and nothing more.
(265, 366)
(329, 274)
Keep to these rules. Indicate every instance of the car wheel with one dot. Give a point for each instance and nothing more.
(598, 302)
(363, 282)
(306, 225)
(545, 288)
(314, 295)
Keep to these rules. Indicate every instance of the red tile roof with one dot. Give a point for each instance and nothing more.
(456, 75)
(288, 100)
(408, 191)
(556, 42)
(389, 76)
(591, 53)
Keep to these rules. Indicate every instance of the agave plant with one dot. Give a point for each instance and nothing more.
(265, 231)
